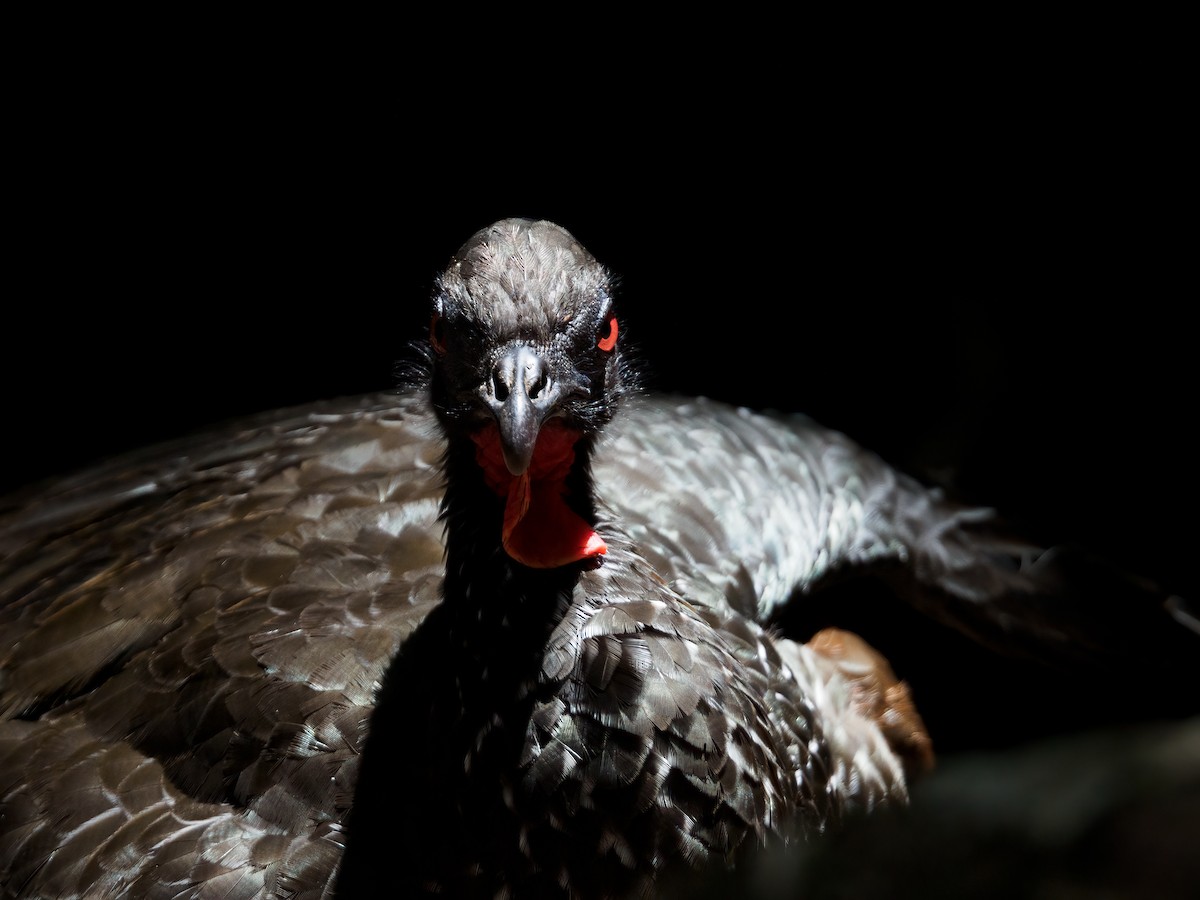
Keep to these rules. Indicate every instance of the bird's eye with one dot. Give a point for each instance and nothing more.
(608, 335)
(437, 334)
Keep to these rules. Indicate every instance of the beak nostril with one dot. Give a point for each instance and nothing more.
(520, 375)
(537, 385)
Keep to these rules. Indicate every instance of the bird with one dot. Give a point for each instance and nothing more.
(515, 628)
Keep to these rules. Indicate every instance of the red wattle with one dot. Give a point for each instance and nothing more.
(540, 530)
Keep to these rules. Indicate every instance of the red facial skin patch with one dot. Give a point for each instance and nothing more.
(540, 530)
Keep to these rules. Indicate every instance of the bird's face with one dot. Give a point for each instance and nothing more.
(526, 362)
(524, 334)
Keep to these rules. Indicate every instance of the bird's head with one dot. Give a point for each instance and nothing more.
(527, 365)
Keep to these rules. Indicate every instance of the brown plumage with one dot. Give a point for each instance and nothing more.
(299, 655)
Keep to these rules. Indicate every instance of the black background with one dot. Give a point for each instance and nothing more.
(991, 294)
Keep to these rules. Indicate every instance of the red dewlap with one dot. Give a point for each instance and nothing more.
(540, 530)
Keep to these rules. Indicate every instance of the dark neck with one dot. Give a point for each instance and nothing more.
(501, 612)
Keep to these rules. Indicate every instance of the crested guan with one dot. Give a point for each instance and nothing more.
(517, 628)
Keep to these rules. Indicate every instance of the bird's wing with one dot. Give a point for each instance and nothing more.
(114, 825)
(756, 512)
(193, 638)
(742, 508)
